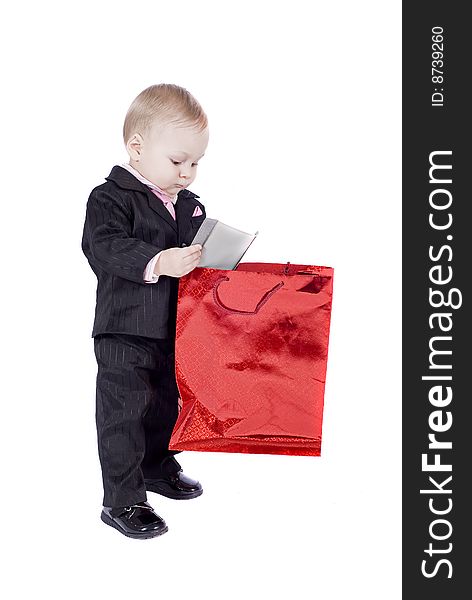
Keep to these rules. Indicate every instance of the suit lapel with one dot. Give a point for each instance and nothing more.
(158, 207)
(184, 206)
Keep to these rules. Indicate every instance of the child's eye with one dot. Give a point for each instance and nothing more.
(175, 162)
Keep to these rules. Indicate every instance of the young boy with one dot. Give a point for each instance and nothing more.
(137, 234)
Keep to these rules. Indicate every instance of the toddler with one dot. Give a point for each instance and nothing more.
(137, 237)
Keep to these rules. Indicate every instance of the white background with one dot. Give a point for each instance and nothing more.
(303, 100)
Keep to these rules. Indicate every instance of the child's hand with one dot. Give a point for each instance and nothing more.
(178, 261)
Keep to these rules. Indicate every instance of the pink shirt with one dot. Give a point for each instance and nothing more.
(149, 276)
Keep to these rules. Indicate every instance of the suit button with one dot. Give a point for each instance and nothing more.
(183, 244)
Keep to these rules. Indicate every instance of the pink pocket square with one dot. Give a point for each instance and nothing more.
(197, 212)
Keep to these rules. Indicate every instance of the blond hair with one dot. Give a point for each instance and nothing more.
(165, 103)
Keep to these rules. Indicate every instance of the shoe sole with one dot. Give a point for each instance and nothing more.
(173, 495)
(143, 536)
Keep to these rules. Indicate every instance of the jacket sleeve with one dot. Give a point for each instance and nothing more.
(107, 240)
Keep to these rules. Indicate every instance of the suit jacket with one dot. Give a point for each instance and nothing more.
(125, 226)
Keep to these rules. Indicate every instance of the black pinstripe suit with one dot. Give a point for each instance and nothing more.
(125, 226)
(134, 328)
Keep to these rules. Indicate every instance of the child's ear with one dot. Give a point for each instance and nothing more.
(134, 146)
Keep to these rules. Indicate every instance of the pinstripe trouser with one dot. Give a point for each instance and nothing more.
(136, 410)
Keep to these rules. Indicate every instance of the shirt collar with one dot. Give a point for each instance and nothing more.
(150, 184)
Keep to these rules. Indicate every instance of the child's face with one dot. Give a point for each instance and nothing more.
(168, 156)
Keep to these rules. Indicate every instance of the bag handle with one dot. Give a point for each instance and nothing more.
(261, 302)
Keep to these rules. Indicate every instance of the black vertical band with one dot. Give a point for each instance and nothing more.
(437, 360)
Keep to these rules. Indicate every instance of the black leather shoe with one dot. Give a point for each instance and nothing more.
(172, 482)
(177, 486)
(136, 521)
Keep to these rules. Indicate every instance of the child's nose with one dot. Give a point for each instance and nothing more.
(185, 172)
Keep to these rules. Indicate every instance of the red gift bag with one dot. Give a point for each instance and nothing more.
(251, 354)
